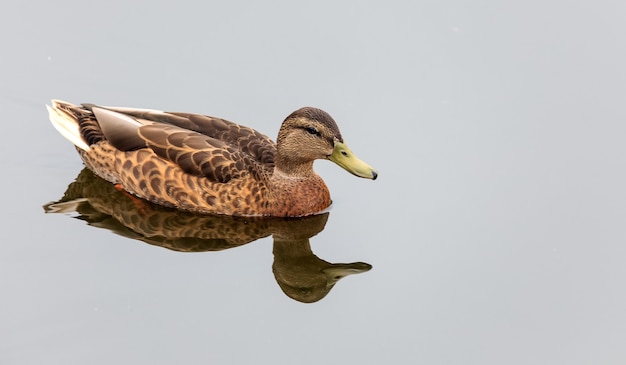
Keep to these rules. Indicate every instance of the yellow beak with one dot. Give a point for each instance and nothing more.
(343, 157)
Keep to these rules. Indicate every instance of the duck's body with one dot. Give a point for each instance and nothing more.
(209, 165)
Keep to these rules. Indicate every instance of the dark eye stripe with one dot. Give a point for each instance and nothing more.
(313, 130)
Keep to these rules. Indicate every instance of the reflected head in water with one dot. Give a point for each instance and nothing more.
(299, 273)
(305, 277)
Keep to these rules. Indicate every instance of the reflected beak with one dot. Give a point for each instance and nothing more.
(343, 157)
(339, 271)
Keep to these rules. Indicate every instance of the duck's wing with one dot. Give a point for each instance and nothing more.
(195, 153)
(244, 139)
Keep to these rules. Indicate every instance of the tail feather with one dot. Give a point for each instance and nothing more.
(66, 124)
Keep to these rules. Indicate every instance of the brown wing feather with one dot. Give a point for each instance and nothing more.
(198, 154)
(247, 140)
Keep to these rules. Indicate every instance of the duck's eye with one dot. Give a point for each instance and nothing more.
(313, 130)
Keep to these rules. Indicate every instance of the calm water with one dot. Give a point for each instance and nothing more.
(495, 231)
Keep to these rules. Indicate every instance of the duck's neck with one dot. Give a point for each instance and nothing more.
(293, 168)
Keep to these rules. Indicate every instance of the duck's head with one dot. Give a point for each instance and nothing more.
(310, 134)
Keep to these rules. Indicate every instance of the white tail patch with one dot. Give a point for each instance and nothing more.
(67, 125)
(69, 207)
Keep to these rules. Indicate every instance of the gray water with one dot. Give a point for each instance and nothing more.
(495, 230)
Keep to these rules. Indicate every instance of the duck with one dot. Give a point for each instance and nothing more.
(209, 165)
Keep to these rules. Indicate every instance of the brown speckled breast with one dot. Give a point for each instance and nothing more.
(312, 192)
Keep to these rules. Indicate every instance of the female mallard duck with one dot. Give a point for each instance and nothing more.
(209, 165)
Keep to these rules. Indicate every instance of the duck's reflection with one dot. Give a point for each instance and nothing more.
(299, 273)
